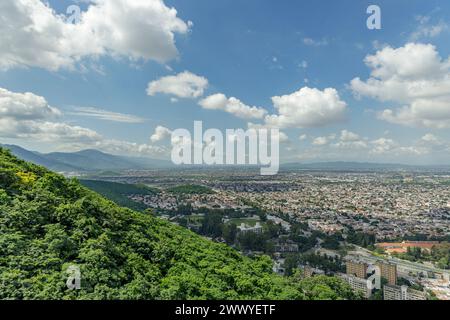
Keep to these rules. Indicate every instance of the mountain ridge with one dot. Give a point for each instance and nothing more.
(87, 160)
(92, 160)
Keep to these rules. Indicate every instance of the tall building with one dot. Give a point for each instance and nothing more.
(388, 271)
(394, 292)
(358, 284)
(356, 268)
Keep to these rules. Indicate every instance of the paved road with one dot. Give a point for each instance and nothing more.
(366, 254)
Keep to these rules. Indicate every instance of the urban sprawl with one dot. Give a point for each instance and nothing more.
(385, 233)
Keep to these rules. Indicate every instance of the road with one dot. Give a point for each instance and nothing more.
(402, 264)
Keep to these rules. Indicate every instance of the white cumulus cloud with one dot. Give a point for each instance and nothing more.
(28, 117)
(307, 107)
(349, 136)
(320, 141)
(182, 85)
(414, 77)
(32, 34)
(25, 106)
(160, 134)
(383, 145)
(232, 105)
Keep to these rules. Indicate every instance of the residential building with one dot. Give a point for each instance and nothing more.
(356, 268)
(243, 228)
(394, 292)
(358, 285)
(388, 271)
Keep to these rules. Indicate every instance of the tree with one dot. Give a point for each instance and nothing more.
(212, 224)
(291, 264)
(273, 229)
(229, 232)
(326, 288)
(252, 241)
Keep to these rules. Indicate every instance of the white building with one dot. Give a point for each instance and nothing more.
(244, 228)
(361, 285)
(393, 292)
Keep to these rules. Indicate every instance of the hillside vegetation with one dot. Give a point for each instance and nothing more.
(48, 223)
(119, 192)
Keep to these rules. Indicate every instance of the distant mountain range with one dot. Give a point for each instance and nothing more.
(361, 166)
(86, 160)
(95, 161)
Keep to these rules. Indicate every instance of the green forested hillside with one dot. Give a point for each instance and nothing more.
(119, 192)
(48, 223)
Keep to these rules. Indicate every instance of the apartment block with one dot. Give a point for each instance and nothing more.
(356, 268)
(394, 292)
(388, 271)
(358, 284)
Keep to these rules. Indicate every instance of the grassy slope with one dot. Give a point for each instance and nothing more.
(48, 223)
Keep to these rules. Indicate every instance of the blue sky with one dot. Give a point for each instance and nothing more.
(252, 51)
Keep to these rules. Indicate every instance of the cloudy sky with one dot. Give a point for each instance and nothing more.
(121, 75)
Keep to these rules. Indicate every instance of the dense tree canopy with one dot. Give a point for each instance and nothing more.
(48, 223)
